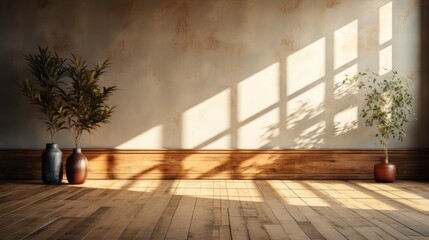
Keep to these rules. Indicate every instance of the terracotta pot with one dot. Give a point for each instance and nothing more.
(52, 164)
(384, 172)
(77, 167)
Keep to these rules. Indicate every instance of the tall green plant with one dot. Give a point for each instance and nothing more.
(388, 104)
(86, 101)
(44, 90)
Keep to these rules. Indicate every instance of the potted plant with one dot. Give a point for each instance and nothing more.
(86, 109)
(44, 90)
(387, 107)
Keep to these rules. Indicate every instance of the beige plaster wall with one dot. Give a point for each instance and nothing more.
(216, 73)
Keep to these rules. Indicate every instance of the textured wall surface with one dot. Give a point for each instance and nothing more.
(219, 73)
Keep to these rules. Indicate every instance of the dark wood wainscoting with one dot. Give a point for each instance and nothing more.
(224, 164)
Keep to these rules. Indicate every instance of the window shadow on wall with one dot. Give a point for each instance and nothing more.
(218, 75)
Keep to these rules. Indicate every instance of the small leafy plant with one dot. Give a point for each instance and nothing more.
(86, 106)
(388, 104)
(45, 89)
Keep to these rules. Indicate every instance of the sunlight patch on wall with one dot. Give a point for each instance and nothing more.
(258, 92)
(341, 90)
(254, 133)
(385, 57)
(385, 23)
(346, 120)
(311, 137)
(345, 44)
(218, 142)
(305, 106)
(150, 139)
(306, 66)
(385, 60)
(206, 120)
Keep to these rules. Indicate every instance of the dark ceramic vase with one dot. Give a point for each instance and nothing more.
(52, 164)
(384, 172)
(77, 167)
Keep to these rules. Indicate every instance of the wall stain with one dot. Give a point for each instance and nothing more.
(180, 10)
(286, 47)
(63, 42)
(182, 23)
(123, 10)
(120, 44)
(368, 39)
(331, 3)
(412, 7)
(291, 6)
(43, 3)
(184, 35)
(220, 5)
(213, 42)
(154, 82)
(123, 7)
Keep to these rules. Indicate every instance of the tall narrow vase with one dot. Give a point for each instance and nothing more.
(77, 167)
(52, 164)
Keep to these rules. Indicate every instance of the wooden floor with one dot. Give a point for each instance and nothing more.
(215, 209)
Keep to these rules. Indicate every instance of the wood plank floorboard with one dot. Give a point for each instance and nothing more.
(215, 209)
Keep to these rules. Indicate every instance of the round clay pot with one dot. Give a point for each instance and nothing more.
(77, 167)
(52, 164)
(384, 172)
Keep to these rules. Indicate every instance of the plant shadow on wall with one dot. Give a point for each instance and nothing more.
(300, 100)
(312, 137)
(239, 49)
(305, 125)
(232, 80)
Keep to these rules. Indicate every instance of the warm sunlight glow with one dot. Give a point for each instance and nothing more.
(346, 44)
(258, 92)
(205, 121)
(385, 60)
(346, 120)
(260, 131)
(308, 196)
(315, 201)
(369, 196)
(295, 201)
(150, 139)
(341, 89)
(306, 105)
(306, 66)
(143, 186)
(385, 23)
(254, 164)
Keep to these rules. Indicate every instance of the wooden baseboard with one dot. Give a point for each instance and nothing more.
(224, 164)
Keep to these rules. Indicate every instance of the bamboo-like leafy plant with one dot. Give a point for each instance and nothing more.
(45, 89)
(86, 106)
(388, 104)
